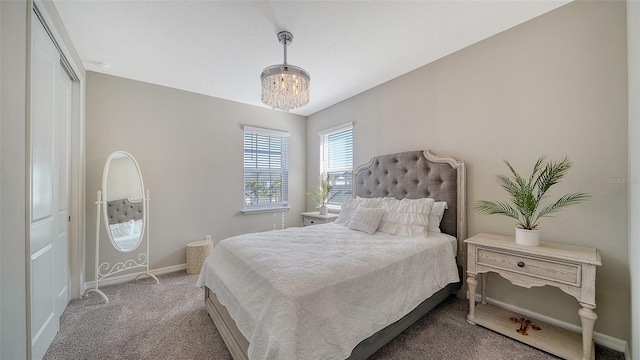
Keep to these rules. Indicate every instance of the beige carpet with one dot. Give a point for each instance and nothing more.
(168, 321)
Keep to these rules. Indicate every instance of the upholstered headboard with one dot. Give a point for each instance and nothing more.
(419, 174)
(123, 210)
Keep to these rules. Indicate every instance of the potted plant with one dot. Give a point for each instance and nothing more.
(527, 196)
(322, 194)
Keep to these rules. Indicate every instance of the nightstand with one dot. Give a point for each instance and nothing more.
(314, 218)
(572, 269)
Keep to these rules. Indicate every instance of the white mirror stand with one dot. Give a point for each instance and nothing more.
(105, 269)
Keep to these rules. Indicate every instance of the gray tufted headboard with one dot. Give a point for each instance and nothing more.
(419, 174)
(123, 210)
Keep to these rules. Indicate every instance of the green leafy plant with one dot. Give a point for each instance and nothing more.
(528, 194)
(322, 192)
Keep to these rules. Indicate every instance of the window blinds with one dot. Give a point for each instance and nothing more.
(336, 160)
(265, 168)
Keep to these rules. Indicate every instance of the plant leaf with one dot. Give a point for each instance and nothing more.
(322, 192)
(536, 169)
(552, 173)
(564, 201)
(518, 179)
(507, 184)
(496, 207)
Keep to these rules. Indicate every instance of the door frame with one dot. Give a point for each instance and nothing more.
(48, 15)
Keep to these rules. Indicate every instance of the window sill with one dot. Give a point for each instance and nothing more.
(265, 210)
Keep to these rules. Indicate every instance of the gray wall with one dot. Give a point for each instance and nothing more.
(190, 151)
(555, 85)
(633, 41)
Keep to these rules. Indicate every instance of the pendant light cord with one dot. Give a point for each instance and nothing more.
(285, 52)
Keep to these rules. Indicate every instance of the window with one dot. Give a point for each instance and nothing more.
(336, 160)
(265, 169)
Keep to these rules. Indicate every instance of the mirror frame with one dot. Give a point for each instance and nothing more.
(105, 175)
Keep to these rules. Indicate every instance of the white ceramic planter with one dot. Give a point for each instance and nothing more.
(527, 237)
(322, 210)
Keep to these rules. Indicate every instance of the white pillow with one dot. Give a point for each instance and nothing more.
(350, 205)
(122, 229)
(366, 219)
(137, 227)
(435, 217)
(406, 217)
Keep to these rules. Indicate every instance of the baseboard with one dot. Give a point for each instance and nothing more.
(598, 338)
(128, 277)
(627, 352)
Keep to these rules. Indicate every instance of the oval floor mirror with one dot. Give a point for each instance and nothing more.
(125, 209)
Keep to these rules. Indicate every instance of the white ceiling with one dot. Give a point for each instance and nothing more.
(219, 48)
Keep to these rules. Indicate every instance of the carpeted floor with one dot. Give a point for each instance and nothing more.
(168, 321)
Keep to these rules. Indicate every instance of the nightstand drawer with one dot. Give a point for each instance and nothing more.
(314, 218)
(562, 272)
(306, 221)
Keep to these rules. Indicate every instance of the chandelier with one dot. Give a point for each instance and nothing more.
(285, 87)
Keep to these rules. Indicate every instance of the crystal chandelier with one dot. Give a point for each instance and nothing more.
(285, 87)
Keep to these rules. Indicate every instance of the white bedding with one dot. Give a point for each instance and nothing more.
(451, 239)
(127, 234)
(127, 242)
(318, 291)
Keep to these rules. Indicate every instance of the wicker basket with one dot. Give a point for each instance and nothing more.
(197, 252)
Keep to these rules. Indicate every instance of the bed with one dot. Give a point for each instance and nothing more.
(125, 222)
(372, 287)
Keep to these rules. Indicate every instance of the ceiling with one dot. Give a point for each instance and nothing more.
(219, 48)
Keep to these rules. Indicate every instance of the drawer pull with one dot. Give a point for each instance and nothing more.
(520, 264)
(312, 221)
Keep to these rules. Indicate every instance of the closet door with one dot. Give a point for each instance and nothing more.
(49, 195)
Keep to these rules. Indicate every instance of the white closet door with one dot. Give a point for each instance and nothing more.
(49, 173)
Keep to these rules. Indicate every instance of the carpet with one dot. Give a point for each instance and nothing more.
(144, 320)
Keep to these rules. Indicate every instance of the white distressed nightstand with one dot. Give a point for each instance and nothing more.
(314, 218)
(572, 269)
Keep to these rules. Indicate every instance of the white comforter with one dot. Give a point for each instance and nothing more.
(318, 291)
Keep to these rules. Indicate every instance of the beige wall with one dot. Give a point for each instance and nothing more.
(190, 151)
(555, 85)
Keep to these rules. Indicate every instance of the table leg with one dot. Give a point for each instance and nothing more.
(472, 283)
(483, 288)
(588, 319)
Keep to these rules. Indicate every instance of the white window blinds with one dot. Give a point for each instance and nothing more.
(336, 160)
(266, 177)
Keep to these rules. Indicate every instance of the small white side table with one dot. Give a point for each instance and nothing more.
(572, 269)
(314, 218)
(197, 252)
